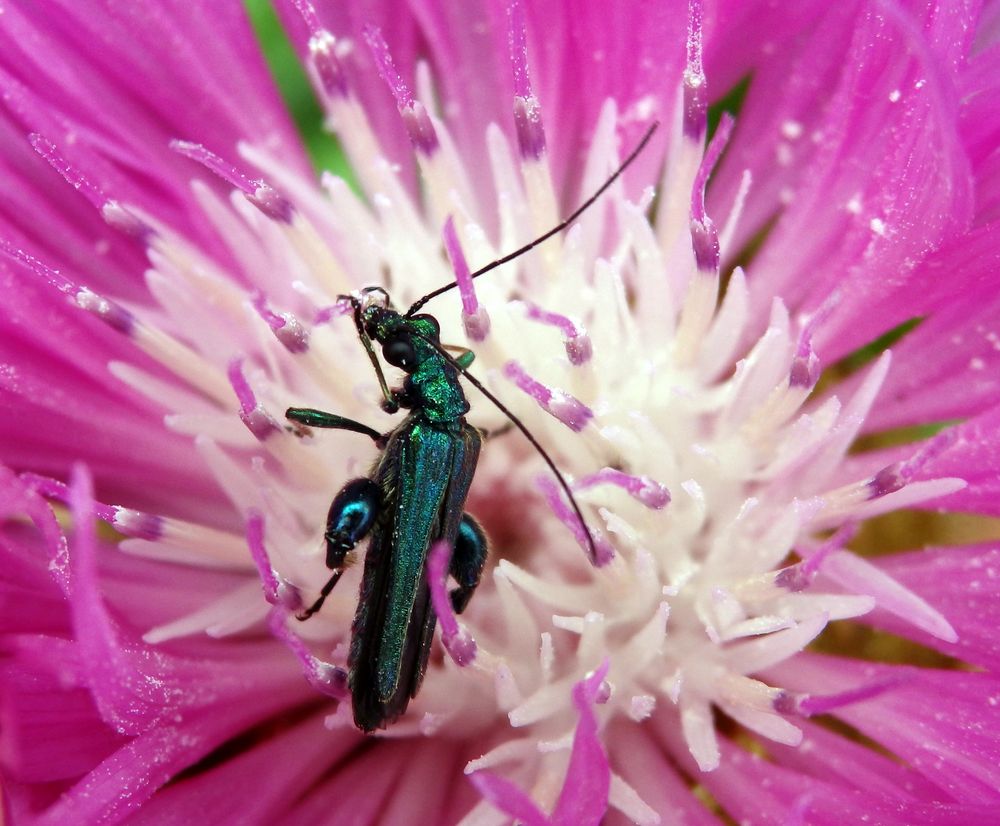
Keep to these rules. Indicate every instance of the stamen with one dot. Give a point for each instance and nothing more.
(695, 91)
(114, 213)
(193, 543)
(418, 123)
(805, 368)
(323, 53)
(326, 314)
(276, 590)
(570, 411)
(566, 515)
(579, 349)
(326, 678)
(809, 705)
(125, 221)
(648, 491)
(257, 191)
(527, 113)
(641, 706)
(258, 421)
(329, 72)
(73, 176)
(126, 521)
(457, 641)
(129, 689)
(285, 326)
(474, 318)
(112, 314)
(800, 576)
(704, 235)
(36, 267)
(137, 524)
(888, 480)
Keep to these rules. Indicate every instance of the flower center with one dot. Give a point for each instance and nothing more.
(689, 435)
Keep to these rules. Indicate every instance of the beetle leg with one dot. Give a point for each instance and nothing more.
(319, 418)
(467, 561)
(351, 517)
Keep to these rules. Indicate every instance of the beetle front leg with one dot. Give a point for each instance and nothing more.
(467, 561)
(352, 515)
(311, 417)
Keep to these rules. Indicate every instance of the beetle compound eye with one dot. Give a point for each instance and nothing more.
(399, 353)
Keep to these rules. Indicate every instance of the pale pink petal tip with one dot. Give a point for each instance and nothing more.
(422, 134)
(474, 317)
(457, 641)
(570, 411)
(276, 590)
(527, 112)
(258, 421)
(601, 553)
(286, 328)
(326, 678)
(651, 493)
(259, 193)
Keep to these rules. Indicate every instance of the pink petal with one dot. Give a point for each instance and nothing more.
(80, 67)
(931, 383)
(938, 722)
(584, 796)
(963, 583)
(568, 48)
(508, 798)
(912, 194)
(261, 779)
(752, 789)
(640, 757)
(969, 451)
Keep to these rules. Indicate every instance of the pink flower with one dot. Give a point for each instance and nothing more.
(672, 350)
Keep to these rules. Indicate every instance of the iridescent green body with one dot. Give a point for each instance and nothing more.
(425, 472)
(415, 496)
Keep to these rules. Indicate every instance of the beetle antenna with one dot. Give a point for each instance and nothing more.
(592, 547)
(554, 231)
